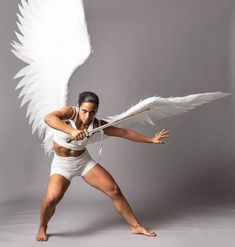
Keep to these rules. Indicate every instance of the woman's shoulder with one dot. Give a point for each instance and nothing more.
(64, 113)
(98, 122)
(74, 110)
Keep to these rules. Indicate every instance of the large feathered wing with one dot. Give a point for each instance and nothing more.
(53, 42)
(154, 108)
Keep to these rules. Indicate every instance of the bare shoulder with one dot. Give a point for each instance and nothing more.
(96, 122)
(65, 112)
(111, 130)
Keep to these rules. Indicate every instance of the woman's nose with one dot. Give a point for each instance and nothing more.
(87, 116)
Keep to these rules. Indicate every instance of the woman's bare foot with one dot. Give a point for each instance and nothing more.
(142, 230)
(41, 235)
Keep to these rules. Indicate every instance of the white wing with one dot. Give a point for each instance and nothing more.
(156, 107)
(54, 41)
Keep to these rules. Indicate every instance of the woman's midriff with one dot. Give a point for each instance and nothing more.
(66, 152)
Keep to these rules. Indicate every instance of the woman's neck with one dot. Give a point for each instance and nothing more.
(81, 125)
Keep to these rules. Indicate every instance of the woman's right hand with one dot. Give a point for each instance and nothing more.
(78, 134)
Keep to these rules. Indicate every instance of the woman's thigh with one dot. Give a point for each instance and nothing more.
(56, 187)
(101, 179)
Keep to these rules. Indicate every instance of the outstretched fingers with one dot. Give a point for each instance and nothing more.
(163, 133)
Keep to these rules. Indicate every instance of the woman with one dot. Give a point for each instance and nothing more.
(72, 160)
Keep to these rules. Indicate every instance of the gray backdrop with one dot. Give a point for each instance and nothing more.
(141, 48)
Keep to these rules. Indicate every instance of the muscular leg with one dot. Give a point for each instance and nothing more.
(56, 187)
(101, 179)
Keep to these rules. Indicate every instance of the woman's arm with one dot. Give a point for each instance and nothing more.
(135, 136)
(54, 120)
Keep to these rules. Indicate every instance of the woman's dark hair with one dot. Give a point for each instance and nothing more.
(88, 96)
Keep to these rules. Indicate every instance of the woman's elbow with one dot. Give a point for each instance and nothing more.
(46, 118)
(123, 133)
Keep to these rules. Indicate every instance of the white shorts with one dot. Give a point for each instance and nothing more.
(70, 167)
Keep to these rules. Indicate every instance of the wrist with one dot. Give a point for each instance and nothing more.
(151, 140)
(155, 140)
(70, 130)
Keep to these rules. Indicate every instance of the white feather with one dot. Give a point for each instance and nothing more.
(53, 42)
(160, 107)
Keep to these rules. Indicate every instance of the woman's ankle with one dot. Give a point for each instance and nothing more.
(41, 225)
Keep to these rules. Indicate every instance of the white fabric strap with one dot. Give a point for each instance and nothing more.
(101, 145)
(74, 112)
(72, 123)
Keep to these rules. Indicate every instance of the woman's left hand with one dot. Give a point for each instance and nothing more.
(160, 134)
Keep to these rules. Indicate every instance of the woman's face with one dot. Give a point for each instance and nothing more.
(87, 111)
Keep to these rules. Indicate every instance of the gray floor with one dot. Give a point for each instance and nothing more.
(96, 223)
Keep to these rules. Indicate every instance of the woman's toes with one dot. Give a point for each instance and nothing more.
(143, 230)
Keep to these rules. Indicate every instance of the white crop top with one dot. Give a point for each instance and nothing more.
(61, 137)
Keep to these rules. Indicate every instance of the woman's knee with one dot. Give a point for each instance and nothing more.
(56, 188)
(51, 200)
(114, 191)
